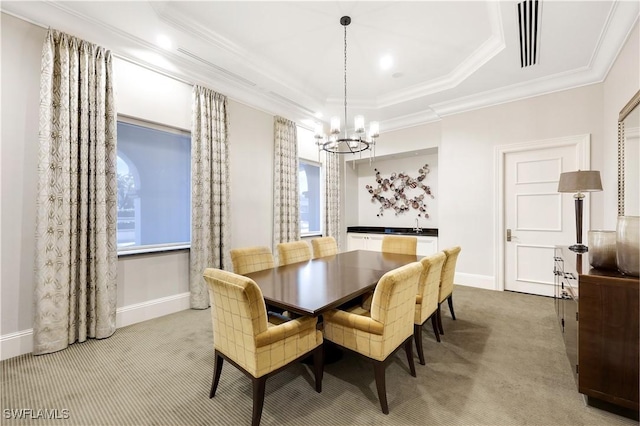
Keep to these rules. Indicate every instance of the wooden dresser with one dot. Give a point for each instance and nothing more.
(598, 312)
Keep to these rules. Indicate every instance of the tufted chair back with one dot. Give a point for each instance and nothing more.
(325, 246)
(293, 252)
(251, 259)
(429, 287)
(448, 272)
(399, 245)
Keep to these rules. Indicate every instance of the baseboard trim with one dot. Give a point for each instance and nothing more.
(132, 314)
(21, 342)
(17, 343)
(486, 282)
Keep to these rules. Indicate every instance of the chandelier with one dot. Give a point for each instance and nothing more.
(342, 143)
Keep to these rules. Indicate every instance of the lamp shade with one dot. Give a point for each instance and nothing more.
(580, 181)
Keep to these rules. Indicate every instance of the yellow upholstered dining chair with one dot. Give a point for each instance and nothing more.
(325, 246)
(378, 333)
(251, 259)
(243, 335)
(293, 252)
(399, 245)
(427, 298)
(446, 282)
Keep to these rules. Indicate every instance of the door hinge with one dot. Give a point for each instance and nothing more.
(576, 316)
(577, 369)
(562, 322)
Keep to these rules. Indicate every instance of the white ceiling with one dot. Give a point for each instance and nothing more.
(287, 57)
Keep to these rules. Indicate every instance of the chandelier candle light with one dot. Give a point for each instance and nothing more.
(344, 144)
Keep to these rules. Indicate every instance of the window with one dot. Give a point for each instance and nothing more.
(310, 198)
(154, 187)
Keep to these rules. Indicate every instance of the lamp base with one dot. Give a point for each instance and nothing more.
(579, 248)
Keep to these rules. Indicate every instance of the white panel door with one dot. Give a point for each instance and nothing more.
(536, 216)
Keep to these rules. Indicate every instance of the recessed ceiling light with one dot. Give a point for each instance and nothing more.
(386, 62)
(164, 41)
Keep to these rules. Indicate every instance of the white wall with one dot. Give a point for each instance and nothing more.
(147, 95)
(21, 49)
(251, 164)
(409, 139)
(368, 211)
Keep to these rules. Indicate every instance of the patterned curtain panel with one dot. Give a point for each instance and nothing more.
(286, 199)
(210, 227)
(332, 185)
(76, 243)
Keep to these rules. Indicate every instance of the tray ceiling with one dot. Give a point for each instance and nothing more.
(287, 57)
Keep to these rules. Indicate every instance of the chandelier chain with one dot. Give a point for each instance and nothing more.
(345, 80)
(359, 141)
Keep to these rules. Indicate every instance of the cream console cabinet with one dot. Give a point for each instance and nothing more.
(373, 242)
(358, 241)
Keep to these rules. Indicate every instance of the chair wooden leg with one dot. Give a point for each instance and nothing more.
(379, 370)
(318, 366)
(417, 335)
(440, 320)
(408, 348)
(217, 369)
(434, 323)
(258, 399)
(450, 300)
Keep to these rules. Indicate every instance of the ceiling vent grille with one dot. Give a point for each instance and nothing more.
(528, 23)
(227, 73)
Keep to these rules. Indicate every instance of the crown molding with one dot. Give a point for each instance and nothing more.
(410, 120)
(619, 24)
(542, 86)
(181, 67)
(285, 99)
(264, 70)
(483, 54)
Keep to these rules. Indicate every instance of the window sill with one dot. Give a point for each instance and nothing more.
(153, 250)
(311, 235)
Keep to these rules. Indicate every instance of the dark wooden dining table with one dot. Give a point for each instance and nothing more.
(318, 285)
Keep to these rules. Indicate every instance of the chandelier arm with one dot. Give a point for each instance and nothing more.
(351, 149)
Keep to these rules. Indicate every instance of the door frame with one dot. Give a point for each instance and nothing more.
(583, 152)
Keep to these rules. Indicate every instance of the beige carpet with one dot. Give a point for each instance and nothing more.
(501, 363)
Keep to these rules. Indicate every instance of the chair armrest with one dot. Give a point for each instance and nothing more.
(359, 322)
(284, 330)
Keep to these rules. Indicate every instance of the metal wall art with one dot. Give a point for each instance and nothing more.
(400, 184)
